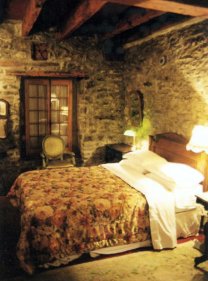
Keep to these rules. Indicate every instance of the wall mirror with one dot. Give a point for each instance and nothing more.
(4, 108)
(4, 114)
(135, 108)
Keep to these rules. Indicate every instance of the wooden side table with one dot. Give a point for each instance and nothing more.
(204, 257)
(115, 152)
(203, 199)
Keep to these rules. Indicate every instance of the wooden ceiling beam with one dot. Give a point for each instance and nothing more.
(33, 10)
(85, 10)
(16, 9)
(133, 21)
(2, 9)
(132, 42)
(167, 6)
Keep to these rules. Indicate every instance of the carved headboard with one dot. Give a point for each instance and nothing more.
(172, 147)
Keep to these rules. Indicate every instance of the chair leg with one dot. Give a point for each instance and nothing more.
(204, 257)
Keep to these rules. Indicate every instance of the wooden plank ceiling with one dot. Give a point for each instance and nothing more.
(108, 18)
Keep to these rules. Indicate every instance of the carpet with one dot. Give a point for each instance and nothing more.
(145, 265)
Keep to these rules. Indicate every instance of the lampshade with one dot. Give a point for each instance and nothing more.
(130, 133)
(199, 139)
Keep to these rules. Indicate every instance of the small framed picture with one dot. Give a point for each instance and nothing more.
(4, 108)
(39, 51)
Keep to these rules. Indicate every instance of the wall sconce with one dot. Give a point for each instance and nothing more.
(199, 139)
(131, 133)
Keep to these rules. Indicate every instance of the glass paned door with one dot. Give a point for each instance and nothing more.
(48, 110)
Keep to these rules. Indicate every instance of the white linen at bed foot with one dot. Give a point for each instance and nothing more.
(61, 261)
(120, 248)
(188, 222)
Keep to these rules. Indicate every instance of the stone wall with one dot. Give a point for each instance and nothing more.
(100, 97)
(170, 71)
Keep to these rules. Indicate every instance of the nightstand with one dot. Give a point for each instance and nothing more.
(203, 199)
(115, 152)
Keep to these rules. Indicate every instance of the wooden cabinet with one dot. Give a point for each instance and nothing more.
(115, 152)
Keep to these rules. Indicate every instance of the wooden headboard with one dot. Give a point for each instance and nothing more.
(172, 147)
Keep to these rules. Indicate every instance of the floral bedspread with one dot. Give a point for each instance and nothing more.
(73, 211)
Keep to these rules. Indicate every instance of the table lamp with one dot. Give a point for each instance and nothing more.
(199, 139)
(131, 133)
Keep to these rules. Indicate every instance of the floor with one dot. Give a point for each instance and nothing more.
(9, 232)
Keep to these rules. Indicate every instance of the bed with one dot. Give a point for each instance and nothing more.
(68, 212)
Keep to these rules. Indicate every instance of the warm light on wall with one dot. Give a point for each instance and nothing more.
(131, 133)
(199, 139)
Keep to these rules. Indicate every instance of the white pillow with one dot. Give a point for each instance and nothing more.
(176, 174)
(144, 158)
(173, 186)
(132, 163)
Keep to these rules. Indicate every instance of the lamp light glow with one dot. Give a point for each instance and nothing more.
(199, 139)
(131, 133)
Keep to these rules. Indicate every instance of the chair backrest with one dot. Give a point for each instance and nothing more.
(53, 146)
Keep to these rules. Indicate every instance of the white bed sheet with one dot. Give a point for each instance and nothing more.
(185, 198)
(161, 205)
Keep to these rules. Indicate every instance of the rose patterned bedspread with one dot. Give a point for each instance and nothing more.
(73, 211)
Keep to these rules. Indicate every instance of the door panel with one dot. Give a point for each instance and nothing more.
(36, 117)
(61, 110)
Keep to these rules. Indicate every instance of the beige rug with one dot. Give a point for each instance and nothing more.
(167, 265)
